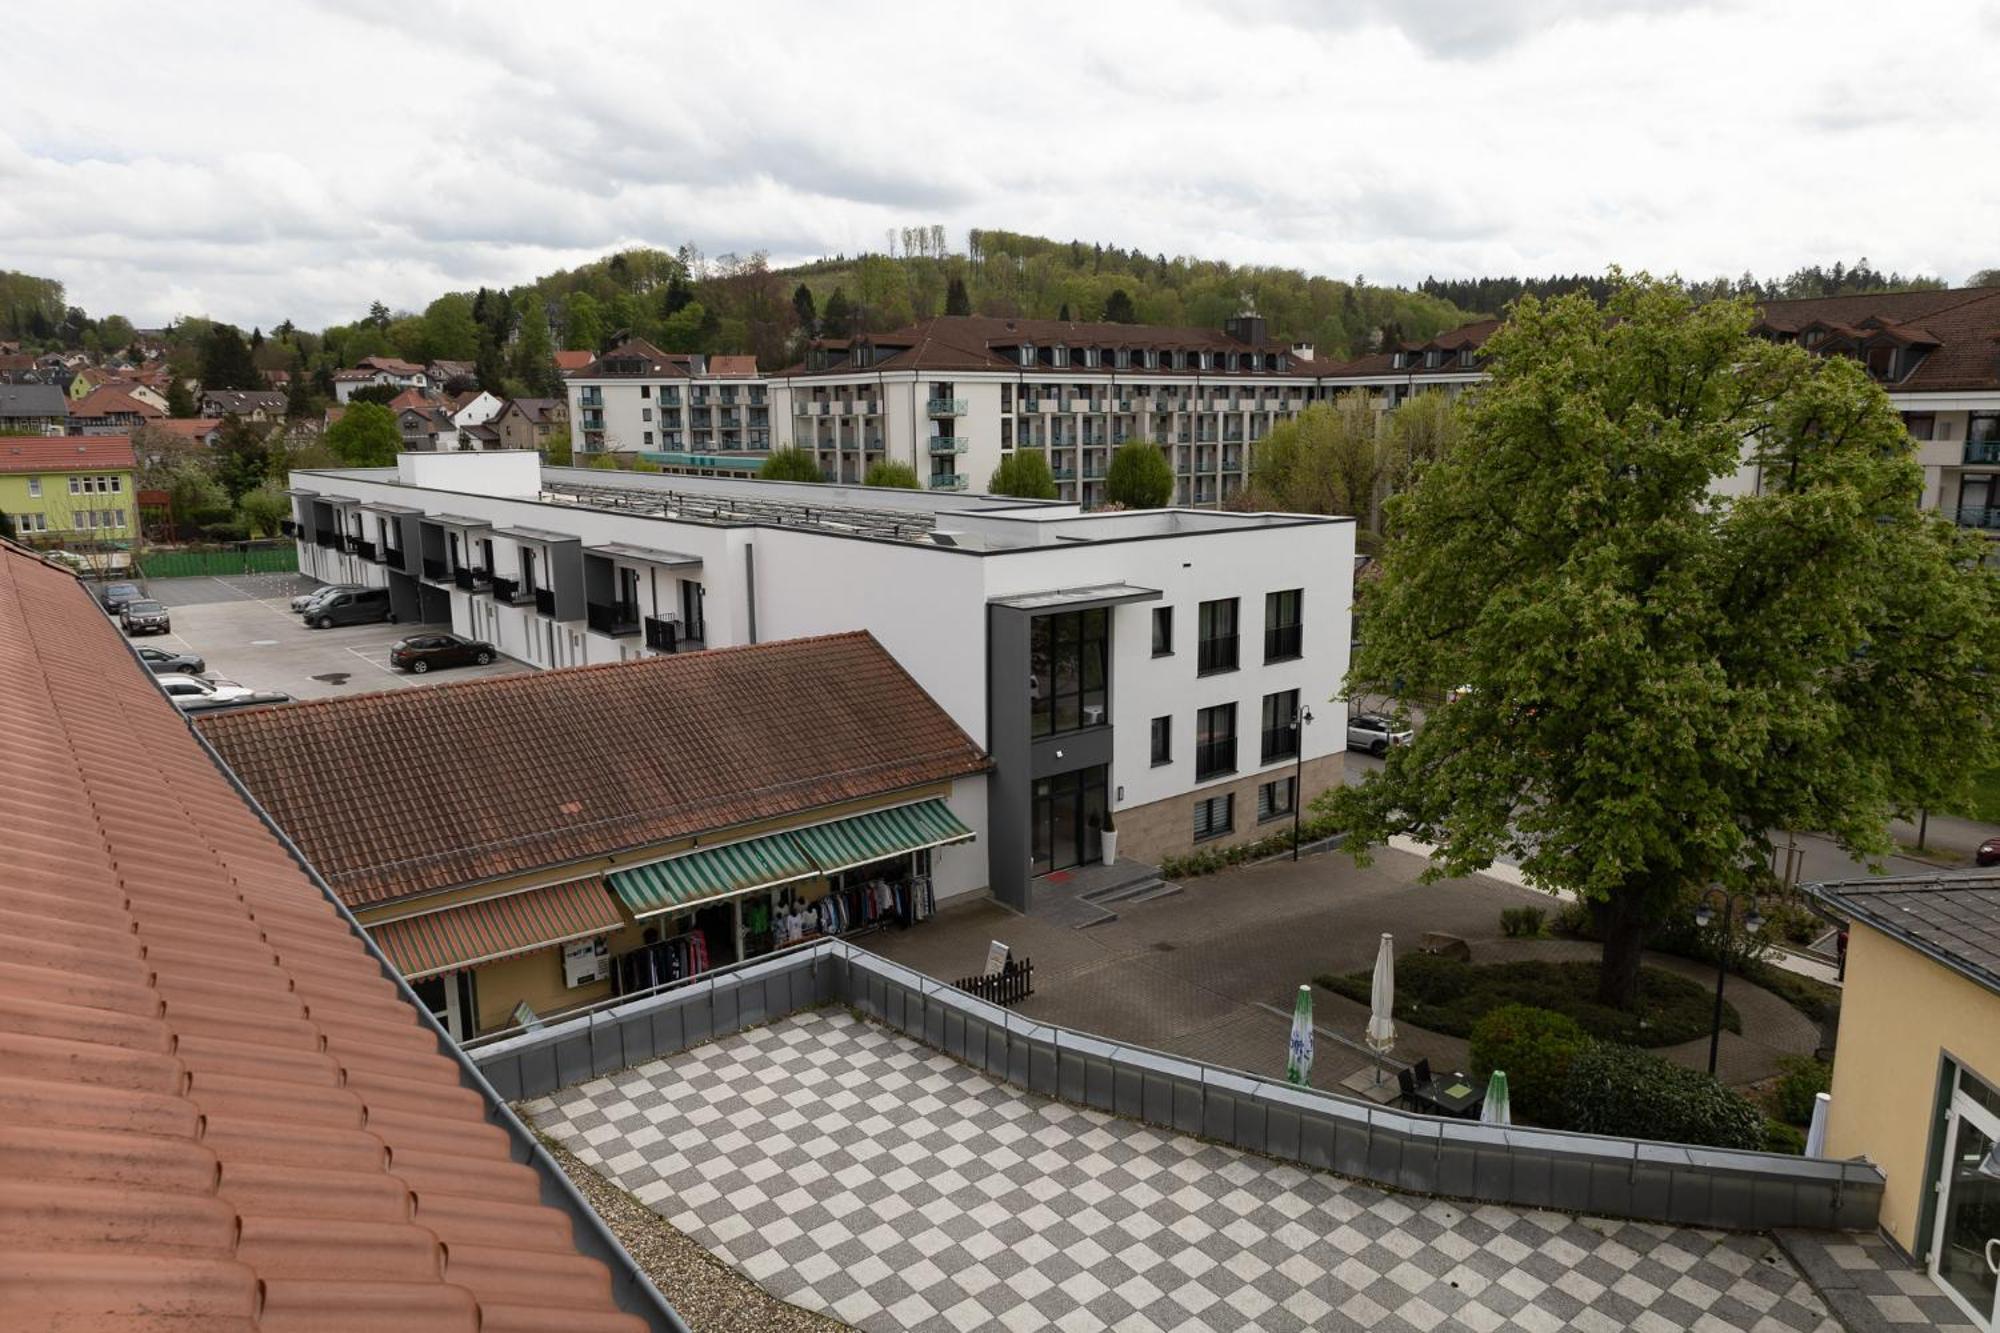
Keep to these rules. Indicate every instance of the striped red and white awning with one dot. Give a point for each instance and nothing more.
(479, 932)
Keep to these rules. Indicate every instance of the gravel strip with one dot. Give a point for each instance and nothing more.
(711, 1296)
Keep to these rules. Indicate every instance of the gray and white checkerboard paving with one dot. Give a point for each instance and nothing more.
(850, 1170)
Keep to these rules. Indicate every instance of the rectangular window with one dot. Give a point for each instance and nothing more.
(1217, 650)
(645, 414)
(1275, 798)
(1283, 635)
(649, 439)
(76, 485)
(1163, 631)
(1163, 741)
(34, 488)
(1214, 742)
(646, 391)
(1281, 726)
(117, 485)
(1214, 816)
(1922, 425)
(1068, 664)
(117, 518)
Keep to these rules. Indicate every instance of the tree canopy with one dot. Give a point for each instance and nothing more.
(790, 465)
(365, 436)
(888, 472)
(1140, 477)
(1322, 461)
(1659, 677)
(1025, 475)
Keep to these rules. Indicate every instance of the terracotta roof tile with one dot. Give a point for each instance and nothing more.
(1961, 325)
(555, 767)
(53, 453)
(216, 1109)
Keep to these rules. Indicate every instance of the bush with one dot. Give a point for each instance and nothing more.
(1207, 860)
(1791, 921)
(1537, 1048)
(1800, 1083)
(1451, 997)
(1516, 922)
(1573, 919)
(1781, 1137)
(1633, 1094)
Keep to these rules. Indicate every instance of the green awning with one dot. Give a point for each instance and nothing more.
(879, 834)
(712, 872)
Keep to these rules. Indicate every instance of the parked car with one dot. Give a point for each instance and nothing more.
(421, 652)
(164, 659)
(1375, 733)
(113, 596)
(145, 616)
(318, 595)
(179, 686)
(1988, 853)
(351, 606)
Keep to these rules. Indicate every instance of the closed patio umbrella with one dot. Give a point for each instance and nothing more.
(1496, 1110)
(1299, 1052)
(1382, 1003)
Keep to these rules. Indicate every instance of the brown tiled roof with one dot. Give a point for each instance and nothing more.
(536, 410)
(192, 427)
(567, 362)
(735, 367)
(410, 398)
(54, 453)
(413, 790)
(1963, 324)
(106, 399)
(220, 1111)
(655, 361)
(391, 364)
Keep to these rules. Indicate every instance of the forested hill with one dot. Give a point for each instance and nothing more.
(1493, 295)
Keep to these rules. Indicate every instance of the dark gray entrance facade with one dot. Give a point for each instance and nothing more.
(1049, 705)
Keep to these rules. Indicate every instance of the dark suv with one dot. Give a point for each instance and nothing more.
(145, 616)
(113, 596)
(357, 606)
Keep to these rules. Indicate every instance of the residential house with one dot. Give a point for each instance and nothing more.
(473, 408)
(426, 428)
(249, 404)
(202, 430)
(568, 363)
(33, 409)
(1916, 1070)
(109, 410)
(444, 372)
(223, 1110)
(1177, 672)
(603, 836)
(678, 408)
(372, 370)
(69, 488)
(529, 423)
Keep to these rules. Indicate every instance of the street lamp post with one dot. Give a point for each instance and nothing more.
(1753, 921)
(1301, 720)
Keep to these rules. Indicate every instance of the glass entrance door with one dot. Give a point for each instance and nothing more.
(1965, 1252)
(1067, 821)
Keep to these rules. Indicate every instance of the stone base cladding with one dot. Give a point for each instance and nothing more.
(1166, 828)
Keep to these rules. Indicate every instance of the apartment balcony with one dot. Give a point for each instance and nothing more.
(590, 398)
(1282, 642)
(947, 481)
(1121, 405)
(1217, 654)
(593, 420)
(327, 540)
(1214, 758)
(362, 548)
(511, 592)
(545, 601)
(1985, 517)
(946, 407)
(1204, 465)
(1982, 451)
(664, 636)
(1063, 473)
(1093, 471)
(617, 619)
(288, 527)
(1030, 402)
(1279, 743)
(469, 578)
(437, 571)
(945, 444)
(801, 408)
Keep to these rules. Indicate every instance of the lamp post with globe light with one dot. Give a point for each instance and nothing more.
(1704, 914)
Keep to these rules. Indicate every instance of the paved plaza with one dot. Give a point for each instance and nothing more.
(850, 1170)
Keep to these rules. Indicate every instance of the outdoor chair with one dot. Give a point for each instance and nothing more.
(1422, 1073)
(1406, 1085)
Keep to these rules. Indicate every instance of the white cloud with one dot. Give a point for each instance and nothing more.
(257, 162)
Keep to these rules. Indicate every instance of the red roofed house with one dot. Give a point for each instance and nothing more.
(69, 488)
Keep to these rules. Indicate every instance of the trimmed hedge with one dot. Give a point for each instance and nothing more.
(1207, 860)
(1634, 1094)
(1537, 1048)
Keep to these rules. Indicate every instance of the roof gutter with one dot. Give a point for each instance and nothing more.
(630, 1287)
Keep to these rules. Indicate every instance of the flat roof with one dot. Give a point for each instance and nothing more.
(651, 556)
(1952, 918)
(384, 507)
(542, 535)
(457, 521)
(1103, 594)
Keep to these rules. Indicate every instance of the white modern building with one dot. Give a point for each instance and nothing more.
(955, 395)
(1172, 674)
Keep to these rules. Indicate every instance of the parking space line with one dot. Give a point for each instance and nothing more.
(383, 667)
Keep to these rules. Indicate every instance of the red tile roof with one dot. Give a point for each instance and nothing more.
(58, 453)
(1962, 326)
(556, 767)
(572, 361)
(106, 399)
(220, 1113)
(192, 427)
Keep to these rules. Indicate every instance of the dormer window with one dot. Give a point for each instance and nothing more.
(1399, 360)
(1027, 354)
(1465, 356)
(1433, 358)
(1882, 362)
(1061, 355)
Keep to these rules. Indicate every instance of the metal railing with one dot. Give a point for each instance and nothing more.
(1979, 516)
(1283, 641)
(947, 481)
(1280, 743)
(436, 570)
(1217, 654)
(545, 601)
(1214, 758)
(504, 588)
(945, 444)
(1982, 451)
(945, 407)
(662, 636)
(617, 619)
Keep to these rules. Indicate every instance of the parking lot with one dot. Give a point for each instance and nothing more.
(244, 628)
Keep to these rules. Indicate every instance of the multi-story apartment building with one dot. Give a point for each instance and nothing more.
(1177, 672)
(1937, 354)
(72, 488)
(689, 412)
(954, 395)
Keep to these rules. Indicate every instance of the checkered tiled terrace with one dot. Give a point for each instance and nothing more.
(850, 1170)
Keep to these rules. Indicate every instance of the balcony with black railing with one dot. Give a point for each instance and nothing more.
(1282, 642)
(1280, 743)
(504, 590)
(1982, 451)
(327, 539)
(391, 556)
(1214, 758)
(545, 601)
(1216, 654)
(1986, 517)
(462, 577)
(288, 527)
(662, 636)
(437, 571)
(362, 547)
(618, 619)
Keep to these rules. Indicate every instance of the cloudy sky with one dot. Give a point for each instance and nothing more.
(258, 161)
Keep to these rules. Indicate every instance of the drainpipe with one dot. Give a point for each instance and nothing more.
(750, 587)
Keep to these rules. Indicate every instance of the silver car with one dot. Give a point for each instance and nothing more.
(1376, 732)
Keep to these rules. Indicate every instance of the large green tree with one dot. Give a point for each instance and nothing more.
(1421, 430)
(263, 509)
(1323, 461)
(226, 361)
(1025, 475)
(365, 436)
(1140, 477)
(790, 465)
(180, 399)
(242, 456)
(1660, 677)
